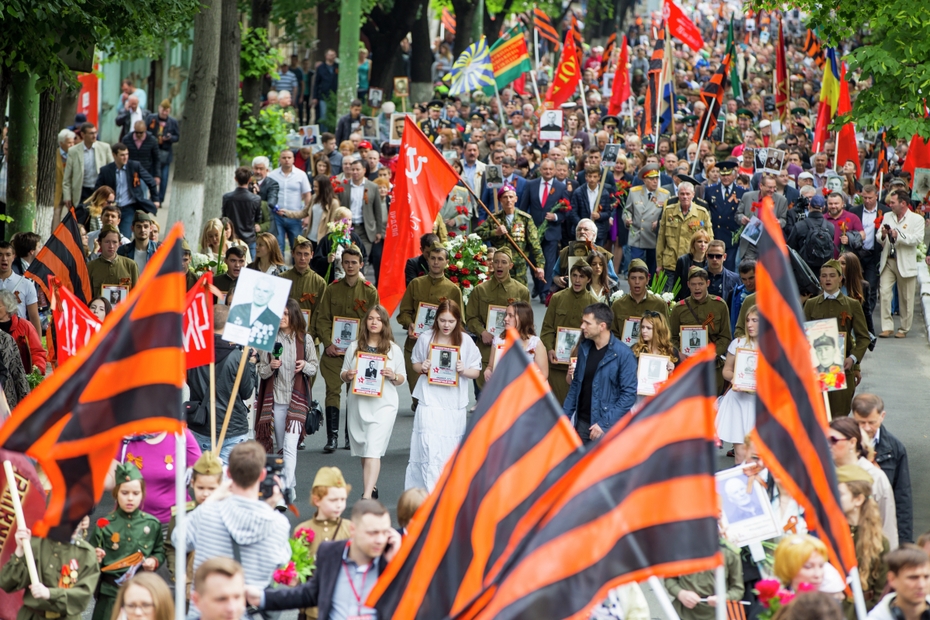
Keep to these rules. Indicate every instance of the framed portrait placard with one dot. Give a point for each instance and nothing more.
(495, 323)
(114, 293)
(550, 126)
(306, 314)
(565, 340)
(630, 335)
(426, 316)
(369, 380)
(571, 263)
(255, 315)
(693, 339)
(744, 369)
(827, 357)
(651, 372)
(443, 362)
(345, 331)
(746, 515)
(375, 97)
(494, 176)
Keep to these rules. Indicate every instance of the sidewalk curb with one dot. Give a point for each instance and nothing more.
(923, 278)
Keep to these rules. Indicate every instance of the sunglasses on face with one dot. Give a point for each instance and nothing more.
(715, 256)
(835, 440)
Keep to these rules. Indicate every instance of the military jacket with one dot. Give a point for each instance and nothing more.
(627, 307)
(565, 310)
(642, 213)
(121, 270)
(307, 290)
(491, 293)
(121, 534)
(711, 312)
(676, 230)
(525, 235)
(342, 299)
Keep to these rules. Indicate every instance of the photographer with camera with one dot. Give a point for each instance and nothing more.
(239, 519)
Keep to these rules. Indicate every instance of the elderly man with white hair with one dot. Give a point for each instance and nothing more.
(681, 218)
(585, 234)
(129, 115)
(66, 139)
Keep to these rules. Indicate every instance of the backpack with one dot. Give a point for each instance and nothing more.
(818, 244)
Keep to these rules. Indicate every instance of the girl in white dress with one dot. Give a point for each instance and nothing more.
(439, 423)
(370, 420)
(736, 410)
(520, 317)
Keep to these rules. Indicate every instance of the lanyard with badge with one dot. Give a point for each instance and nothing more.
(356, 593)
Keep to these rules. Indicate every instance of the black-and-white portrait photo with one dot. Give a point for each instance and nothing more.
(257, 308)
(493, 176)
(550, 126)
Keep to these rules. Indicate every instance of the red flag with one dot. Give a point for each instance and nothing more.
(918, 155)
(419, 193)
(846, 147)
(74, 323)
(782, 85)
(621, 86)
(198, 323)
(681, 27)
(567, 75)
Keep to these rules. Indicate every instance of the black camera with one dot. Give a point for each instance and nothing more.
(274, 466)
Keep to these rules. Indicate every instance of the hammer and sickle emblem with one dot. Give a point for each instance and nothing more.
(414, 165)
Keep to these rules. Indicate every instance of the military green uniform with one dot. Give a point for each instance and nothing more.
(676, 230)
(307, 290)
(627, 307)
(190, 279)
(682, 139)
(123, 535)
(121, 270)
(704, 585)
(578, 249)
(523, 231)
(345, 300)
(490, 293)
(565, 310)
(710, 311)
(748, 304)
(424, 289)
(642, 213)
(69, 594)
(171, 554)
(850, 319)
(224, 282)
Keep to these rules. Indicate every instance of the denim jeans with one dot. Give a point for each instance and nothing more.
(163, 188)
(228, 444)
(286, 227)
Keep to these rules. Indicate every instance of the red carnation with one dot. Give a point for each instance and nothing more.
(451, 234)
(463, 227)
(454, 280)
(466, 284)
(102, 522)
(453, 268)
(756, 206)
(465, 271)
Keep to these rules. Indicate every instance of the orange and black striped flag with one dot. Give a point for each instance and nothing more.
(880, 149)
(791, 420)
(605, 57)
(127, 380)
(812, 48)
(601, 526)
(62, 256)
(545, 28)
(575, 31)
(712, 96)
(448, 21)
(651, 104)
(517, 445)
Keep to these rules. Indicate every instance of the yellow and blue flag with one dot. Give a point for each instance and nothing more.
(472, 70)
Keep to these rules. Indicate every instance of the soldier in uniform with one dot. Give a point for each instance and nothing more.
(432, 288)
(611, 124)
(308, 286)
(498, 290)
(565, 310)
(641, 215)
(350, 297)
(639, 300)
(850, 318)
(683, 137)
(585, 233)
(723, 199)
(432, 126)
(68, 574)
(702, 309)
(680, 219)
(111, 268)
(520, 227)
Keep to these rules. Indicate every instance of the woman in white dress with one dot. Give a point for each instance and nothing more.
(736, 410)
(370, 420)
(520, 317)
(439, 423)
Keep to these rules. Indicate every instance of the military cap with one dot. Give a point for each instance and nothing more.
(824, 341)
(638, 264)
(208, 464)
(835, 264)
(142, 216)
(610, 120)
(686, 178)
(185, 246)
(726, 166)
(435, 104)
(505, 250)
(744, 113)
(698, 272)
(126, 472)
(852, 473)
(649, 171)
(799, 111)
(329, 477)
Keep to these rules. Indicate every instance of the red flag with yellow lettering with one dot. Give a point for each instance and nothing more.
(567, 75)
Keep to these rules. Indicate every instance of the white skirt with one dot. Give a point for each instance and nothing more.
(437, 432)
(736, 416)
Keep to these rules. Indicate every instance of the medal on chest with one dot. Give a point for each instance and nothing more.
(69, 575)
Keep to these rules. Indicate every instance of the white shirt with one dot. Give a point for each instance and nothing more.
(141, 258)
(291, 188)
(868, 224)
(592, 198)
(90, 167)
(357, 201)
(23, 289)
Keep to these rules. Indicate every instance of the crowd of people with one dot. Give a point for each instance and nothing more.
(634, 264)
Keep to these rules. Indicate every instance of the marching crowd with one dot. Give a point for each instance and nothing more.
(671, 216)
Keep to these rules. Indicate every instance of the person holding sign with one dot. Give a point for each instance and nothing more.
(702, 310)
(440, 418)
(565, 311)
(284, 393)
(351, 297)
(736, 411)
(68, 574)
(519, 316)
(370, 418)
(429, 289)
(850, 319)
(639, 301)
(655, 339)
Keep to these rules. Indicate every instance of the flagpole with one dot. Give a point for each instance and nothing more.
(720, 590)
(702, 136)
(180, 525)
(881, 178)
(496, 221)
(671, 82)
(535, 40)
(21, 522)
(662, 594)
(632, 103)
(234, 391)
(600, 190)
(213, 406)
(535, 88)
(858, 596)
(500, 106)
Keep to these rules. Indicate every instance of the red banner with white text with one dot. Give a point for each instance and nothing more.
(74, 323)
(198, 323)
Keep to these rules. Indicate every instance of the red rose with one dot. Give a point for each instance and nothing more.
(463, 227)
(465, 271)
(458, 255)
(453, 268)
(766, 589)
(466, 284)
(102, 522)
(454, 280)
(451, 234)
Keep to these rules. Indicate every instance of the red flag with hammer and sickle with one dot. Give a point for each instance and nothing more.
(567, 75)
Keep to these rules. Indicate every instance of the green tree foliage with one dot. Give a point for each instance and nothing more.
(257, 58)
(265, 135)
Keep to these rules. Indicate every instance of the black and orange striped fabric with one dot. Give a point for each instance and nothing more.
(651, 104)
(448, 21)
(791, 420)
(712, 96)
(544, 26)
(602, 526)
(605, 57)
(127, 380)
(881, 153)
(62, 256)
(812, 48)
(517, 444)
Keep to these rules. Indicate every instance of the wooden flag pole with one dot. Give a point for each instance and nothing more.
(21, 521)
(232, 397)
(496, 221)
(671, 83)
(858, 596)
(213, 406)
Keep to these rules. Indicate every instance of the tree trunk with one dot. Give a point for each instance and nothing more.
(252, 87)
(421, 53)
(49, 117)
(69, 100)
(350, 21)
(24, 148)
(4, 91)
(187, 190)
(464, 16)
(385, 43)
(221, 157)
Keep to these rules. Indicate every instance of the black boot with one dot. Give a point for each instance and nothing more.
(332, 430)
(346, 446)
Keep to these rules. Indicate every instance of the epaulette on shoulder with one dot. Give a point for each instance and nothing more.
(638, 188)
(716, 298)
(681, 303)
(662, 189)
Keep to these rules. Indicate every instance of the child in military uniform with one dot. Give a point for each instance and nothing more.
(68, 573)
(206, 478)
(125, 538)
(329, 494)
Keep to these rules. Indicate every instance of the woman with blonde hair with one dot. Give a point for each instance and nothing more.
(94, 205)
(736, 410)
(268, 256)
(800, 559)
(144, 597)
(655, 339)
(696, 257)
(329, 250)
(210, 238)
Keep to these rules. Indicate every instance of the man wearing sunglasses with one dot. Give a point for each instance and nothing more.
(723, 282)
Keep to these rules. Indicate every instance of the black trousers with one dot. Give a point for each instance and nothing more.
(870, 260)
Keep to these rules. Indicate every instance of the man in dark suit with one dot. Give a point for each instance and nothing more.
(870, 254)
(339, 565)
(257, 316)
(723, 199)
(143, 148)
(540, 197)
(745, 212)
(583, 204)
(126, 178)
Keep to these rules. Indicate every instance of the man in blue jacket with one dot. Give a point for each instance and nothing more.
(603, 386)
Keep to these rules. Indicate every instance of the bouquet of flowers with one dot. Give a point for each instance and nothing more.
(300, 566)
(468, 262)
(338, 186)
(658, 284)
(623, 190)
(200, 263)
(773, 597)
(562, 206)
(340, 234)
(833, 378)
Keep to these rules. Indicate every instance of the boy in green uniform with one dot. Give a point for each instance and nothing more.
(111, 268)
(702, 309)
(308, 286)
(351, 297)
(639, 300)
(68, 574)
(689, 590)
